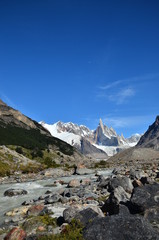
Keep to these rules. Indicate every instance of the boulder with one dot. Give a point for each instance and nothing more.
(53, 199)
(16, 234)
(69, 214)
(117, 227)
(137, 183)
(119, 195)
(74, 183)
(18, 211)
(137, 174)
(36, 210)
(86, 181)
(124, 182)
(14, 192)
(152, 215)
(87, 215)
(83, 171)
(144, 198)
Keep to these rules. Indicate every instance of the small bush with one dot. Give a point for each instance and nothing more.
(19, 150)
(71, 232)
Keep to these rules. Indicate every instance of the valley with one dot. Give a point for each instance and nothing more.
(65, 181)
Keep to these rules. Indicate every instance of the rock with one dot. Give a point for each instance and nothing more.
(157, 175)
(152, 215)
(100, 178)
(16, 219)
(137, 174)
(74, 183)
(144, 198)
(14, 192)
(64, 200)
(84, 171)
(18, 211)
(103, 183)
(85, 181)
(64, 226)
(55, 172)
(124, 182)
(16, 234)
(36, 210)
(53, 199)
(48, 192)
(29, 202)
(145, 180)
(87, 215)
(117, 227)
(137, 183)
(69, 214)
(111, 205)
(123, 210)
(120, 195)
(97, 210)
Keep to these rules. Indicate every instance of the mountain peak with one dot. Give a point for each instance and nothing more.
(151, 136)
(157, 120)
(101, 124)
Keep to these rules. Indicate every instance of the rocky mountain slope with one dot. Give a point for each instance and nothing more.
(145, 152)
(151, 137)
(102, 140)
(31, 139)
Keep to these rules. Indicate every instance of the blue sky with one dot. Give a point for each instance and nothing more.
(81, 60)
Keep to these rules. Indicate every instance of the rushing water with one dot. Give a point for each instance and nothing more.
(35, 189)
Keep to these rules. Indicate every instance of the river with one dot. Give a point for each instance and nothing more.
(36, 189)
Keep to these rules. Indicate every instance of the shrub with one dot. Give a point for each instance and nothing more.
(19, 150)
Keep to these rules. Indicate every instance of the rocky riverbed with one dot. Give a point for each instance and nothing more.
(118, 204)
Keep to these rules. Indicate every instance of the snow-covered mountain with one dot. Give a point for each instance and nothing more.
(77, 136)
(103, 140)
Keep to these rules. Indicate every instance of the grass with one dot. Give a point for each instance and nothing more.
(5, 169)
(71, 232)
(101, 164)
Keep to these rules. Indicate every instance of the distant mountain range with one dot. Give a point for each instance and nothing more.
(102, 142)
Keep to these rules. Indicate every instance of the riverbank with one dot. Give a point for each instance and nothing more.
(90, 199)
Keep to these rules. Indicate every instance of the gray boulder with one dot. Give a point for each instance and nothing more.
(14, 192)
(124, 182)
(69, 214)
(87, 215)
(144, 198)
(137, 174)
(116, 227)
(53, 199)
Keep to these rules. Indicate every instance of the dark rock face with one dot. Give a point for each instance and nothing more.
(87, 148)
(111, 205)
(117, 227)
(107, 136)
(145, 197)
(14, 192)
(87, 215)
(151, 138)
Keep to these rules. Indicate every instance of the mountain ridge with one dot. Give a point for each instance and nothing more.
(102, 138)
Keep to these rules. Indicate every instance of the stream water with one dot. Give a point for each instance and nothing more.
(35, 189)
